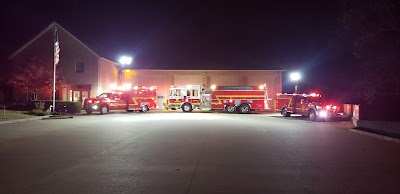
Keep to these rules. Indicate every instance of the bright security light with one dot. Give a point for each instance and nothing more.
(124, 60)
(127, 86)
(295, 76)
(113, 86)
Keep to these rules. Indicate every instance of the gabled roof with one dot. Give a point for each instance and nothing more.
(52, 25)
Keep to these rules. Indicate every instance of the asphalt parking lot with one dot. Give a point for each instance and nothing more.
(175, 152)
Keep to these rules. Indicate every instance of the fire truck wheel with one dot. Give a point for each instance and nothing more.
(144, 108)
(244, 108)
(312, 116)
(103, 110)
(187, 107)
(285, 113)
(230, 108)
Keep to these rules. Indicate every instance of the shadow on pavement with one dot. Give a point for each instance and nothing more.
(333, 119)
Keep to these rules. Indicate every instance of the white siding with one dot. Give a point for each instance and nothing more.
(182, 80)
(224, 80)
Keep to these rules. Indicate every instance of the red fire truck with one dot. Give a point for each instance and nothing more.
(126, 97)
(310, 105)
(242, 99)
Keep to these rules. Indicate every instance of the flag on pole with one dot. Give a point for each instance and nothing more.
(56, 48)
(56, 60)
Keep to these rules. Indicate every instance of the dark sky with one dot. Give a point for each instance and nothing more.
(289, 35)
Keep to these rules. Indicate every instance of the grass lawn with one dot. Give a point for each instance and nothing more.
(13, 115)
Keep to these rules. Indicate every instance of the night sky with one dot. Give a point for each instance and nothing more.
(290, 35)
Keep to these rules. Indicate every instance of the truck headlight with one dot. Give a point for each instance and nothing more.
(323, 114)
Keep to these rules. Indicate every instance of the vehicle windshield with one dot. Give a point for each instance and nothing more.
(104, 95)
(176, 92)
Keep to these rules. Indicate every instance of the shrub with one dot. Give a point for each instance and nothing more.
(39, 105)
(63, 106)
(39, 112)
(19, 106)
(39, 109)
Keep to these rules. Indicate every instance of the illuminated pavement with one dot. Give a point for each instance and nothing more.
(193, 153)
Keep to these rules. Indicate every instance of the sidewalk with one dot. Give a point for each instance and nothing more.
(22, 120)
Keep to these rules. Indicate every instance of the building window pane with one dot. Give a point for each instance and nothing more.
(79, 66)
(70, 95)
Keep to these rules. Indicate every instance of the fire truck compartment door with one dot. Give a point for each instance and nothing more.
(205, 103)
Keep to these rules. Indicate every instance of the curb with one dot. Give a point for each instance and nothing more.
(23, 120)
(392, 139)
(57, 117)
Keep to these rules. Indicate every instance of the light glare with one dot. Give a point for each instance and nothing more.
(295, 76)
(124, 60)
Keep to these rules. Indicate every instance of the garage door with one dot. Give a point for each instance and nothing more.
(162, 82)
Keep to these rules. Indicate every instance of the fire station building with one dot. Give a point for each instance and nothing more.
(164, 79)
(87, 74)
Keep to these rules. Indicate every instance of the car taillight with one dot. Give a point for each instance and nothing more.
(327, 107)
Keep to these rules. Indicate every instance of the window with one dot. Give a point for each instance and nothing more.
(195, 92)
(79, 66)
(104, 95)
(116, 97)
(70, 95)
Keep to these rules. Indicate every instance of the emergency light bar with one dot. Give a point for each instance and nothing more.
(128, 86)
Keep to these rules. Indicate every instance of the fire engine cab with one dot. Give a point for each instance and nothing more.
(126, 97)
(310, 105)
(242, 99)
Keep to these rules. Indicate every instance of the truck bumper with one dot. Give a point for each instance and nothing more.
(91, 108)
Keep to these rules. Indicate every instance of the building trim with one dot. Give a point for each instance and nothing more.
(102, 58)
(52, 25)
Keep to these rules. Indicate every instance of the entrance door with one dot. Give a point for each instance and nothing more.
(77, 96)
(205, 102)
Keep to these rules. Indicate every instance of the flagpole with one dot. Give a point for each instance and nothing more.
(54, 67)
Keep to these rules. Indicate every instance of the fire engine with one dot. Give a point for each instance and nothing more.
(126, 97)
(310, 105)
(242, 99)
